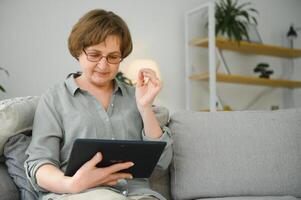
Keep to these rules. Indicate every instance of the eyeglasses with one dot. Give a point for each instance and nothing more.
(96, 57)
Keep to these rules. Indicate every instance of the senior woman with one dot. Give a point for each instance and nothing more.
(94, 104)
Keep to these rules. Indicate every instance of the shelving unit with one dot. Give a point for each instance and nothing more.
(244, 47)
(248, 80)
(210, 6)
(249, 48)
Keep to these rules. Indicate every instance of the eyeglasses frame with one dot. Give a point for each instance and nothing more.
(102, 56)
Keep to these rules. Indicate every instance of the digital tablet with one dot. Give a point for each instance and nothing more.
(144, 155)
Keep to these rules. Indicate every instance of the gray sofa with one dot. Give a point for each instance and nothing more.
(239, 155)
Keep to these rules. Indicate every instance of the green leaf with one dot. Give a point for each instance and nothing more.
(243, 5)
(2, 89)
(120, 76)
(254, 20)
(1, 68)
(253, 10)
(232, 18)
(243, 29)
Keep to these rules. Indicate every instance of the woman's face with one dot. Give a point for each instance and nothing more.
(94, 61)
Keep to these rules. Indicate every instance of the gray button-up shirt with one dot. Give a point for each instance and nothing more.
(65, 112)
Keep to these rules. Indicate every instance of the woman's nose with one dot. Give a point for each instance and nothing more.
(103, 63)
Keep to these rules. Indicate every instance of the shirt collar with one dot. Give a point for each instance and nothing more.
(119, 86)
(73, 87)
(71, 84)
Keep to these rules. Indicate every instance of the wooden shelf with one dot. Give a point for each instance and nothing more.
(248, 80)
(250, 48)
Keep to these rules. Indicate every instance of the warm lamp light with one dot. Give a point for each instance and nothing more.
(131, 71)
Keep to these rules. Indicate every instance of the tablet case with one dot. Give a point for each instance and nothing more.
(144, 155)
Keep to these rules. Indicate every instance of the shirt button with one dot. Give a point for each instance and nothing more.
(112, 105)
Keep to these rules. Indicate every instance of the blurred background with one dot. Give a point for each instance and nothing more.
(33, 45)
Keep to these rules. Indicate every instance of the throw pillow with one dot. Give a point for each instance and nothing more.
(240, 153)
(14, 152)
(16, 115)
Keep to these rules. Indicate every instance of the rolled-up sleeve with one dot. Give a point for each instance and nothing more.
(162, 115)
(46, 137)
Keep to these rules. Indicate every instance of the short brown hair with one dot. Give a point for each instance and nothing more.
(94, 27)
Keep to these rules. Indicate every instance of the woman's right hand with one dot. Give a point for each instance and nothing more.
(89, 176)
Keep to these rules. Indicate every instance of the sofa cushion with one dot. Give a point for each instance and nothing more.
(8, 190)
(16, 115)
(241, 153)
(14, 152)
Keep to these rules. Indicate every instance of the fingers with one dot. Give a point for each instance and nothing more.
(117, 167)
(94, 161)
(114, 178)
(117, 176)
(140, 79)
(150, 75)
(111, 183)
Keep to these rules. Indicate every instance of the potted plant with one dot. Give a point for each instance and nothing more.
(1, 87)
(120, 76)
(232, 19)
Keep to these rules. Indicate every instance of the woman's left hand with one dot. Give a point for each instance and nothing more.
(147, 88)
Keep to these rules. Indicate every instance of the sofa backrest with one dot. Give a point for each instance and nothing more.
(240, 153)
(237, 153)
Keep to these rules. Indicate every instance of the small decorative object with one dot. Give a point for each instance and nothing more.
(292, 34)
(274, 107)
(6, 72)
(232, 19)
(262, 69)
(120, 76)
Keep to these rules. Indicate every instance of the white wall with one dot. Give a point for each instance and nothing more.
(33, 40)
